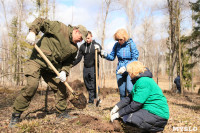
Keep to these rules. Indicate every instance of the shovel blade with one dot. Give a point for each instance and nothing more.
(79, 101)
(98, 102)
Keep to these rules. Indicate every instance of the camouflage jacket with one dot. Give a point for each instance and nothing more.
(56, 43)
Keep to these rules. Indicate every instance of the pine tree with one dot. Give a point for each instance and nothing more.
(196, 29)
(195, 36)
(194, 50)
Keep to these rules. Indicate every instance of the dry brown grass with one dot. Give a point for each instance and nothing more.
(184, 112)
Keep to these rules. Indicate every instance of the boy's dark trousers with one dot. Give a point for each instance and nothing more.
(89, 80)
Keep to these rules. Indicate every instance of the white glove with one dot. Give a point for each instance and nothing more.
(97, 47)
(62, 76)
(114, 116)
(31, 38)
(121, 70)
(104, 53)
(114, 110)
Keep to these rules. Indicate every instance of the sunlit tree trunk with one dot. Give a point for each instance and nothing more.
(107, 2)
(172, 40)
(54, 8)
(7, 46)
(47, 8)
(179, 44)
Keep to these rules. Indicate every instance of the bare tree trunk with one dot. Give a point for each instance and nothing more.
(157, 72)
(111, 69)
(8, 45)
(72, 12)
(131, 8)
(18, 43)
(192, 59)
(179, 44)
(5, 15)
(3, 65)
(47, 8)
(172, 43)
(54, 8)
(108, 2)
(19, 35)
(38, 4)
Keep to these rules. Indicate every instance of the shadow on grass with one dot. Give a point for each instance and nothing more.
(197, 107)
(192, 101)
(109, 108)
(187, 96)
(43, 112)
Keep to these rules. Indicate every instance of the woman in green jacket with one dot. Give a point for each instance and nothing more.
(146, 107)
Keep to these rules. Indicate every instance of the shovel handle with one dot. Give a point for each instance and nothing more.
(52, 67)
(96, 71)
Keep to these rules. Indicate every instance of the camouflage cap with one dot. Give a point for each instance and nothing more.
(83, 31)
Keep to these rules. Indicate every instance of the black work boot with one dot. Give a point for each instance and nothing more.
(15, 118)
(65, 115)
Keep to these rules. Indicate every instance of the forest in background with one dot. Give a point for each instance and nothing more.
(166, 56)
(172, 53)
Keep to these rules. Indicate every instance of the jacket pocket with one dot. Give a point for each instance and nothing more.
(48, 54)
(32, 69)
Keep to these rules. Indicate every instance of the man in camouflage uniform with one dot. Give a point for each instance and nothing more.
(59, 44)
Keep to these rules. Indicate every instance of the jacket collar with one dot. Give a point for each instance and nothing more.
(126, 43)
(146, 73)
(88, 44)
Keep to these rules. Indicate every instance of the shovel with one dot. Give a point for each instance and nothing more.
(79, 101)
(97, 86)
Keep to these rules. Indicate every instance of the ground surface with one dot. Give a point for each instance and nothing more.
(184, 112)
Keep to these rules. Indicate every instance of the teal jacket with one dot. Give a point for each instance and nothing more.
(146, 94)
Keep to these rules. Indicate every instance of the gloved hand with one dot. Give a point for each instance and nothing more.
(97, 47)
(121, 70)
(31, 38)
(114, 110)
(104, 53)
(114, 116)
(62, 76)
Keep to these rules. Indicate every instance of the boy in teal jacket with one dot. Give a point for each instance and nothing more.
(146, 107)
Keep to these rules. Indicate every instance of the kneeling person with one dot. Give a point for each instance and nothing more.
(146, 107)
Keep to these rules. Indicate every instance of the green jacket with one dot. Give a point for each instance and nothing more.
(56, 43)
(147, 92)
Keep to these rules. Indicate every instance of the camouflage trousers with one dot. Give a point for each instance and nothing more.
(33, 73)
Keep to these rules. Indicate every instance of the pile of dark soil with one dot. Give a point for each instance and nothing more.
(79, 86)
(100, 126)
(97, 124)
